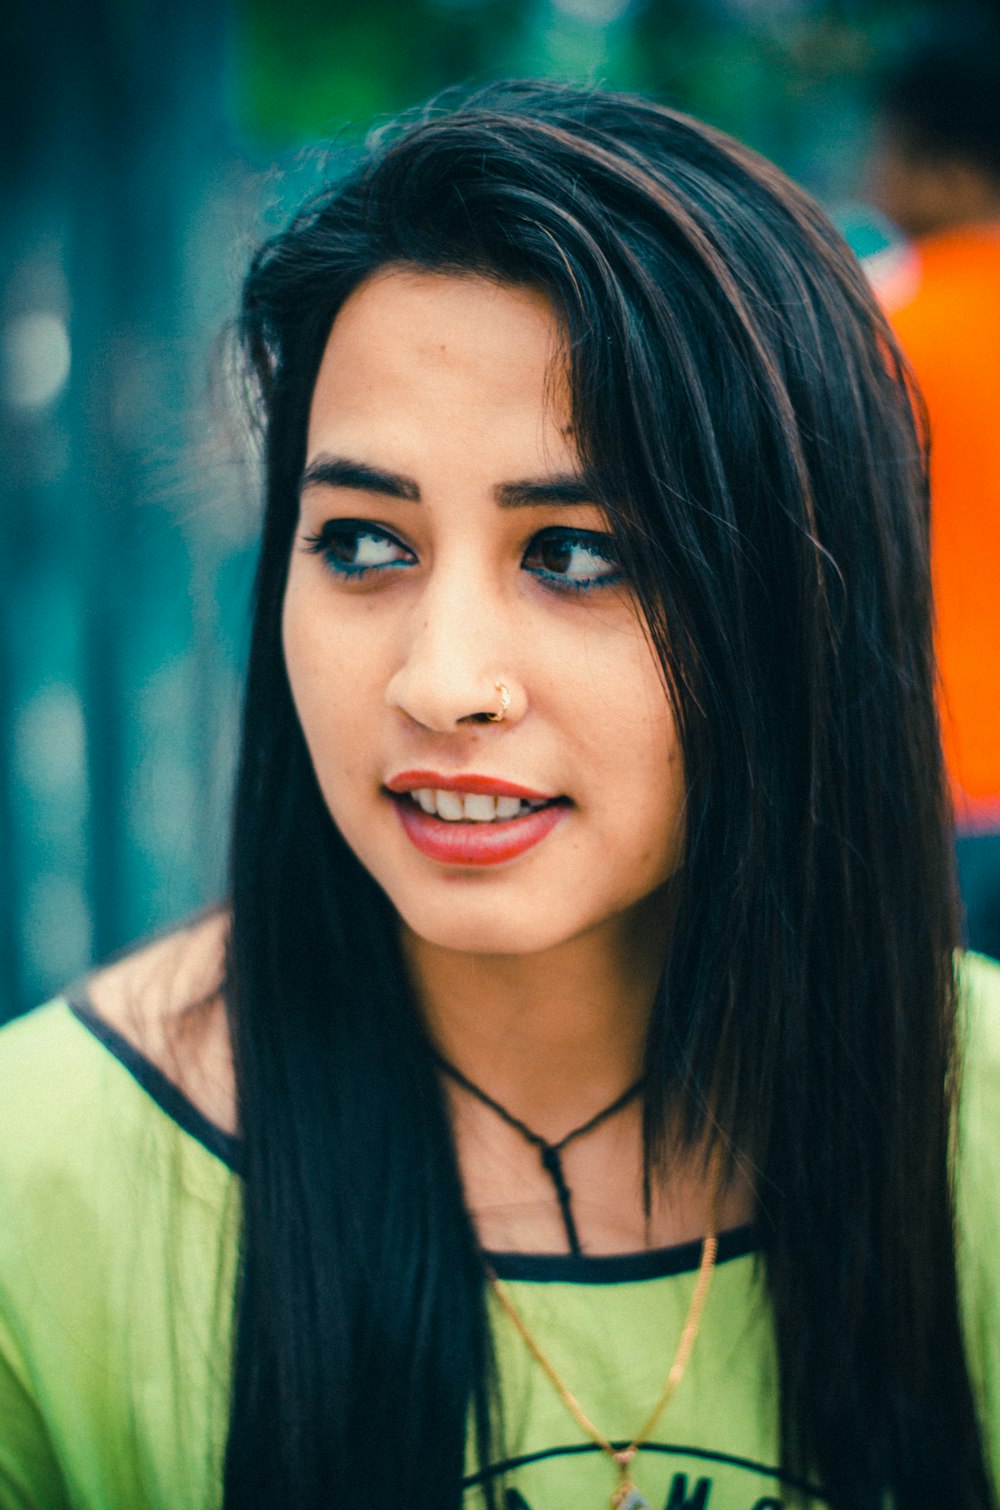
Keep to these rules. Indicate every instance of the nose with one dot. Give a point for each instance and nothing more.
(457, 663)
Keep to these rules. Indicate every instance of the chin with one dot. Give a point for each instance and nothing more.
(471, 931)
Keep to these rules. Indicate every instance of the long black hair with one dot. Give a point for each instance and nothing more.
(742, 415)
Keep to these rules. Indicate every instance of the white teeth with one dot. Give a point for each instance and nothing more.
(470, 807)
(479, 807)
(450, 806)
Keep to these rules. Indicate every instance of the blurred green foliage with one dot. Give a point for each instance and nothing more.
(307, 68)
(788, 76)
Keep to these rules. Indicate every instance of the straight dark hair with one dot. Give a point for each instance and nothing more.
(743, 417)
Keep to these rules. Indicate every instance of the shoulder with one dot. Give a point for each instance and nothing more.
(118, 1240)
(165, 999)
(89, 1156)
(51, 1073)
(147, 990)
(67, 1103)
(47, 1078)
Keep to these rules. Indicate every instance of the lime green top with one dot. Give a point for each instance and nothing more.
(120, 1210)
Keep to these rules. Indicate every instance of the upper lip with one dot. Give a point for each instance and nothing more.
(486, 786)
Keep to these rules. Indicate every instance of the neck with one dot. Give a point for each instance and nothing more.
(553, 1036)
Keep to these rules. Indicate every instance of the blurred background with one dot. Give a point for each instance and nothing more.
(146, 146)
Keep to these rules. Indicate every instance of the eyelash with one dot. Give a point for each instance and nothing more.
(338, 532)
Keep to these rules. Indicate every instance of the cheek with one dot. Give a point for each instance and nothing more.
(658, 797)
(645, 768)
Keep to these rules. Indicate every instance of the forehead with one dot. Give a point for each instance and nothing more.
(415, 346)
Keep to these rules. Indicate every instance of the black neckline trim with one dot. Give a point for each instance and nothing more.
(619, 1268)
(544, 1268)
(157, 1086)
(665, 1449)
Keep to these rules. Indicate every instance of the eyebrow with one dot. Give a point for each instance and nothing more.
(338, 472)
(341, 472)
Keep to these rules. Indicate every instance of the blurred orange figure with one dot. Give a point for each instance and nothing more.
(937, 175)
(950, 331)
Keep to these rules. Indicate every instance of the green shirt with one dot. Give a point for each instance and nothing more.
(119, 1213)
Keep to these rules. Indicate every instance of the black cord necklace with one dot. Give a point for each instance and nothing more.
(549, 1153)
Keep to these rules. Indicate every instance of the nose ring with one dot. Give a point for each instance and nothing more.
(498, 718)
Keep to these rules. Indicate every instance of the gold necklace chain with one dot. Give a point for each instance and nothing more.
(626, 1496)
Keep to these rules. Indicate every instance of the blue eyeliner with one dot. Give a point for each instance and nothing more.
(590, 543)
(339, 533)
(338, 539)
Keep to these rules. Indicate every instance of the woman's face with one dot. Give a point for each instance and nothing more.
(446, 544)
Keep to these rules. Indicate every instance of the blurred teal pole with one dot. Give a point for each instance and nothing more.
(108, 523)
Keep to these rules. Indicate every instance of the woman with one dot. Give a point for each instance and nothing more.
(590, 897)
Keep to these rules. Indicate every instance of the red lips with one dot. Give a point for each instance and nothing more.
(485, 786)
(466, 842)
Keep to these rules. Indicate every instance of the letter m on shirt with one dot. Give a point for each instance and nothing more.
(679, 1499)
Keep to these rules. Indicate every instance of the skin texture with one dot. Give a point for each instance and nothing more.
(453, 383)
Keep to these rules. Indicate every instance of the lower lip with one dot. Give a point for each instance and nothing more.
(476, 843)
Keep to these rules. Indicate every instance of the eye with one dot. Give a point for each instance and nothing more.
(355, 547)
(573, 560)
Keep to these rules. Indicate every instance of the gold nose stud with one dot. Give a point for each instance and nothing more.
(498, 718)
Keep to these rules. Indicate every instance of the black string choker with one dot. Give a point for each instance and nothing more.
(550, 1154)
